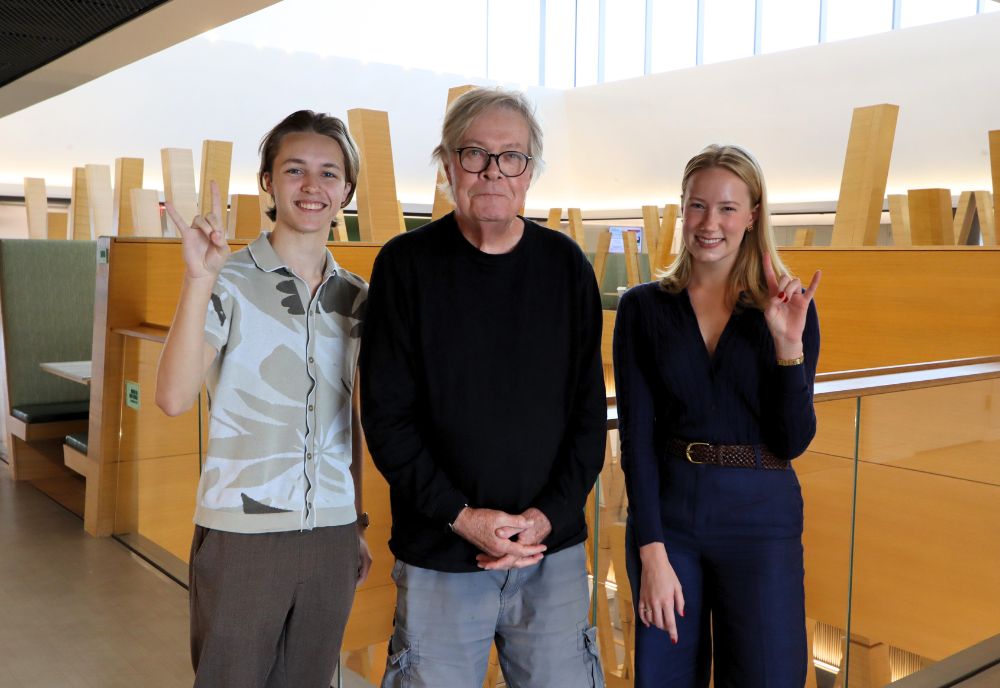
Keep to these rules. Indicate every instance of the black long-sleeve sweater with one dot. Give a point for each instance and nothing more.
(481, 384)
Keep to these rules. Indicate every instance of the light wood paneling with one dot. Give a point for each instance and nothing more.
(994, 137)
(57, 224)
(665, 243)
(866, 170)
(651, 231)
(340, 227)
(265, 205)
(216, 164)
(145, 204)
(244, 217)
(178, 184)
(965, 212)
(378, 208)
(128, 176)
(889, 306)
(79, 206)
(100, 200)
(36, 203)
(443, 206)
(899, 216)
(930, 217)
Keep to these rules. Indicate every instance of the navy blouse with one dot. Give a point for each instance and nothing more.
(668, 386)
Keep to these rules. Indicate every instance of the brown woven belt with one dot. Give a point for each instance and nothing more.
(733, 455)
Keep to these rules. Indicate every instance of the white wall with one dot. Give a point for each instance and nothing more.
(611, 146)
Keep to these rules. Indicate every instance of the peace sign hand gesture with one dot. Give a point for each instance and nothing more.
(786, 311)
(204, 241)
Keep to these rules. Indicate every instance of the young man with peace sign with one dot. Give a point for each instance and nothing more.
(273, 330)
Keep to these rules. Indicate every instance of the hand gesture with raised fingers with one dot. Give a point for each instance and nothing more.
(787, 309)
(204, 240)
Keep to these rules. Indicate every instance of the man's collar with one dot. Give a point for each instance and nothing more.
(268, 260)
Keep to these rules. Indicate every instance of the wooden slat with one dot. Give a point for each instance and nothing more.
(128, 176)
(79, 207)
(555, 219)
(576, 225)
(265, 205)
(216, 164)
(930, 217)
(866, 170)
(58, 223)
(985, 211)
(651, 232)
(899, 216)
(100, 200)
(601, 256)
(804, 236)
(145, 205)
(36, 203)
(244, 217)
(340, 227)
(664, 247)
(178, 185)
(378, 207)
(965, 212)
(632, 274)
(443, 206)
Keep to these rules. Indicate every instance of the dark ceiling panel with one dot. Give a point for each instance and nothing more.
(35, 32)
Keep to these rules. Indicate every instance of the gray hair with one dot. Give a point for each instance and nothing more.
(467, 107)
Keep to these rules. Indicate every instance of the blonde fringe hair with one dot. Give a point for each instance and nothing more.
(747, 285)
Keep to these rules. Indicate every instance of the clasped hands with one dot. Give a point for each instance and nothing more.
(505, 541)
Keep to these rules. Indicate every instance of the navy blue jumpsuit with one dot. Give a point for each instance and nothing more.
(732, 535)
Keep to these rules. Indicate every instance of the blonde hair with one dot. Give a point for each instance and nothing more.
(747, 284)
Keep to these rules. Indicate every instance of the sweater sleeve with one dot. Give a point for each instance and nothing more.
(390, 397)
(792, 426)
(565, 494)
(636, 418)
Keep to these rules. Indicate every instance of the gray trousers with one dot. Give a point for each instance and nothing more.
(268, 610)
(446, 623)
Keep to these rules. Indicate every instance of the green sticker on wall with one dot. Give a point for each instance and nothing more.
(102, 255)
(132, 394)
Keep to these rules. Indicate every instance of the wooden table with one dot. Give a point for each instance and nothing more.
(75, 371)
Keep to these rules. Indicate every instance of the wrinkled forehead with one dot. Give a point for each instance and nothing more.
(498, 126)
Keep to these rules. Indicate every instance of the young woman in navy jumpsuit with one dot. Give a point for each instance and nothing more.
(714, 367)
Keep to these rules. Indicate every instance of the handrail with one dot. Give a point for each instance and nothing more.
(860, 383)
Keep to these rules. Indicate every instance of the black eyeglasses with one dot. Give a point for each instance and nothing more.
(475, 160)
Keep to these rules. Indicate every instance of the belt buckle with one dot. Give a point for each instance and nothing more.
(687, 451)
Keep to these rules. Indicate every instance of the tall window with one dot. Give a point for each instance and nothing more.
(916, 12)
(787, 24)
(624, 39)
(729, 30)
(674, 34)
(587, 34)
(513, 40)
(560, 42)
(853, 18)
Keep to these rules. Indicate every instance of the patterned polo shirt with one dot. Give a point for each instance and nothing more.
(279, 447)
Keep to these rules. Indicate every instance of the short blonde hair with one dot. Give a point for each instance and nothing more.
(467, 107)
(747, 284)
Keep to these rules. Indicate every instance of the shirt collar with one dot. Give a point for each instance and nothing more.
(268, 260)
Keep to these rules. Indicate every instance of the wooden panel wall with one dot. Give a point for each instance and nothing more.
(216, 162)
(178, 184)
(378, 207)
(994, 137)
(57, 224)
(443, 206)
(100, 200)
(899, 216)
(866, 170)
(145, 204)
(883, 306)
(244, 217)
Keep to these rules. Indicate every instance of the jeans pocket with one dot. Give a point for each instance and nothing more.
(592, 656)
(402, 654)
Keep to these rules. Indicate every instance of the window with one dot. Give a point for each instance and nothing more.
(560, 24)
(624, 39)
(587, 33)
(916, 12)
(853, 18)
(729, 30)
(513, 41)
(787, 24)
(674, 34)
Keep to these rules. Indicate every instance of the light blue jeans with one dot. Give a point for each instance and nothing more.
(446, 622)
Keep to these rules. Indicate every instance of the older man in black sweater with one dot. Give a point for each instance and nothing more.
(483, 403)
